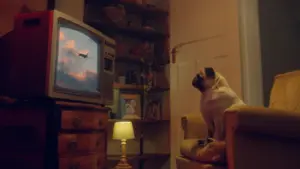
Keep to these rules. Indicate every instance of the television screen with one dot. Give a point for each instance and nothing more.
(77, 60)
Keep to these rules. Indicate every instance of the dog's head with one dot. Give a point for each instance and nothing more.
(205, 79)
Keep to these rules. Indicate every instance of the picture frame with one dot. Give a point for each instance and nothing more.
(130, 106)
(153, 107)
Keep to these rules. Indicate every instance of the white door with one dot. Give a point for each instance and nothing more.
(215, 21)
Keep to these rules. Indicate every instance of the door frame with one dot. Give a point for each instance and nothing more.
(252, 84)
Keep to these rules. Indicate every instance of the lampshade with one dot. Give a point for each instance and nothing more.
(123, 130)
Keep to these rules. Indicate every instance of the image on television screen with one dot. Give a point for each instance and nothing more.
(77, 61)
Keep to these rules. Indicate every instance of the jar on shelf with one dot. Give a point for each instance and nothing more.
(115, 13)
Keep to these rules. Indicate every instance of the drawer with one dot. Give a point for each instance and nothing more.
(70, 143)
(96, 161)
(83, 120)
(18, 160)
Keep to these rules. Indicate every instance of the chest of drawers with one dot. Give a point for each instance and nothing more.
(45, 134)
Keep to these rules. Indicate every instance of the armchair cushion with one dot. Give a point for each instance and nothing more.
(189, 148)
(213, 152)
(185, 163)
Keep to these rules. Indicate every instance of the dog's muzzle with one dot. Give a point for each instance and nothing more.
(198, 82)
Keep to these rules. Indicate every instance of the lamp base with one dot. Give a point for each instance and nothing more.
(123, 165)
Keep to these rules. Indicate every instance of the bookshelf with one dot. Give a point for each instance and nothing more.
(141, 30)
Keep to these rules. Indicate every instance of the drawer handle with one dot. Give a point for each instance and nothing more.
(72, 145)
(74, 166)
(76, 122)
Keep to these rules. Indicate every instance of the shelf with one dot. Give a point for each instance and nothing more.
(131, 60)
(139, 157)
(140, 121)
(152, 143)
(140, 62)
(111, 28)
(158, 89)
(133, 87)
(128, 86)
(145, 10)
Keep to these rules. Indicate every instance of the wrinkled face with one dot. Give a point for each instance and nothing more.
(205, 79)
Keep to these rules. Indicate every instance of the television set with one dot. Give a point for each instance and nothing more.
(57, 56)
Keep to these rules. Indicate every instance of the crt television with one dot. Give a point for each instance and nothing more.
(57, 56)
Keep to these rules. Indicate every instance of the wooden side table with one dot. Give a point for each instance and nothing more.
(45, 134)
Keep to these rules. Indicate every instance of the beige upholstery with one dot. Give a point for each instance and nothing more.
(189, 147)
(194, 126)
(267, 136)
(213, 152)
(257, 137)
(184, 163)
(286, 92)
(194, 129)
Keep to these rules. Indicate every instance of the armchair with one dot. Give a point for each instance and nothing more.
(256, 137)
(194, 129)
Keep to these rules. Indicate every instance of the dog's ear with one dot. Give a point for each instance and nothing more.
(210, 72)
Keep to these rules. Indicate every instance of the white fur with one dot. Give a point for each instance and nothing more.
(214, 102)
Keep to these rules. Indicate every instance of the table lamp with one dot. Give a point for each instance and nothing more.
(123, 130)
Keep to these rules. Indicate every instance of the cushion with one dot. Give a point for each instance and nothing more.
(185, 163)
(189, 147)
(213, 152)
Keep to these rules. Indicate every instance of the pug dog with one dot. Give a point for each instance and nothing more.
(216, 97)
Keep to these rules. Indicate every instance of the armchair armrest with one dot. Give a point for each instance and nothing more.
(194, 126)
(261, 120)
(262, 138)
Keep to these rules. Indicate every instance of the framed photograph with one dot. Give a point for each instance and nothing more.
(153, 108)
(130, 106)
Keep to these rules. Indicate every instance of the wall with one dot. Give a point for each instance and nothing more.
(280, 40)
(74, 8)
(9, 8)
